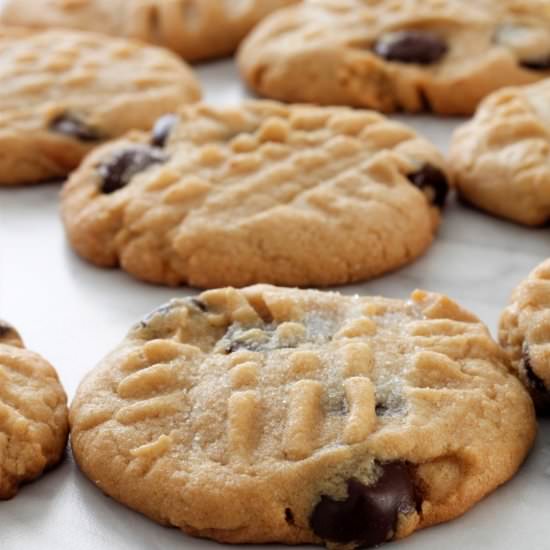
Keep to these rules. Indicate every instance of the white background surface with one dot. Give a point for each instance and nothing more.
(73, 314)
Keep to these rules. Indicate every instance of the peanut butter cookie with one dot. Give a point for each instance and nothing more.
(195, 29)
(300, 416)
(65, 92)
(33, 414)
(264, 192)
(501, 158)
(412, 55)
(525, 334)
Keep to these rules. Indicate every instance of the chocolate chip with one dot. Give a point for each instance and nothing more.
(199, 304)
(433, 182)
(161, 130)
(537, 387)
(71, 126)
(421, 47)
(540, 64)
(289, 516)
(125, 164)
(368, 516)
(381, 409)
(524, 38)
(534, 380)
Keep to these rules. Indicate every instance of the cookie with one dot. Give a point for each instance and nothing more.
(33, 414)
(501, 158)
(195, 29)
(262, 192)
(412, 55)
(300, 416)
(65, 92)
(525, 334)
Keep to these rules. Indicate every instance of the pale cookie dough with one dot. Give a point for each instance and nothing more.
(412, 55)
(501, 158)
(263, 192)
(300, 416)
(195, 29)
(64, 92)
(525, 334)
(33, 414)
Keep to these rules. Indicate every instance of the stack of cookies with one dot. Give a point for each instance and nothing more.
(259, 412)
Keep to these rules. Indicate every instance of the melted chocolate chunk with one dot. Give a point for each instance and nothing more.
(433, 182)
(540, 64)
(539, 392)
(162, 129)
(124, 165)
(420, 47)
(369, 514)
(71, 126)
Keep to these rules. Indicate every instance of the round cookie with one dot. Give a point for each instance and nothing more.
(33, 414)
(65, 92)
(195, 29)
(501, 158)
(525, 334)
(300, 416)
(412, 55)
(263, 192)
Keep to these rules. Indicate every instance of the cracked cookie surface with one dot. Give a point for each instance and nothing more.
(300, 416)
(264, 192)
(412, 55)
(65, 92)
(33, 414)
(501, 158)
(195, 29)
(525, 334)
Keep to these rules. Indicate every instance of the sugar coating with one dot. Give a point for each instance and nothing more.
(33, 414)
(501, 158)
(263, 192)
(111, 85)
(322, 51)
(230, 437)
(525, 332)
(195, 29)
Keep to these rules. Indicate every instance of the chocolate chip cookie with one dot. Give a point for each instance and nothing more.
(501, 158)
(65, 92)
(300, 416)
(525, 334)
(33, 414)
(195, 29)
(263, 192)
(412, 55)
